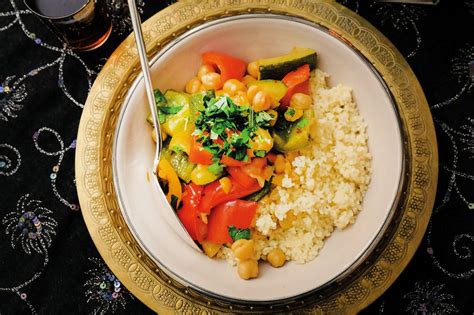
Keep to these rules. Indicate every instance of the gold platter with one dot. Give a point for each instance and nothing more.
(141, 275)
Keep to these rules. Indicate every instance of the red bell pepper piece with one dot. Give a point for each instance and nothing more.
(228, 66)
(189, 215)
(297, 81)
(198, 154)
(238, 213)
(228, 161)
(241, 176)
(214, 194)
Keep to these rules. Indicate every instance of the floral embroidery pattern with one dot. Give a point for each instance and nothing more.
(103, 289)
(428, 299)
(11, 99)
(31, 225)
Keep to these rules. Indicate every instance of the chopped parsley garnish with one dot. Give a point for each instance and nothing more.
(226, 128)
(237, 234)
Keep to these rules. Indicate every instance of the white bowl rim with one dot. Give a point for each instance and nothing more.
(364, 254)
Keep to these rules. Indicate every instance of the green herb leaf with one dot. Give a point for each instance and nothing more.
(260, 153)
(160, 99)
(303, 122)
(263, 118)
(161, 117)
(238, 234)
(290, 111)
(216, 168)
(170, 110)
(174, 202)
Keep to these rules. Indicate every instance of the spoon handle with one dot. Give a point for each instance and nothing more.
(137, 30)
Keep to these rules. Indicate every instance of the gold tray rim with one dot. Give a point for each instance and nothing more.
(97, 194)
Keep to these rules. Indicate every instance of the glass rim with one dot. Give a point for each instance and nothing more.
(29, 6)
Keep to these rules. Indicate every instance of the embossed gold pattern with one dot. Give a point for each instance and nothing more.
(141, 275)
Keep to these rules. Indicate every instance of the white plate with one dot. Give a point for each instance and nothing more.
(250, 37)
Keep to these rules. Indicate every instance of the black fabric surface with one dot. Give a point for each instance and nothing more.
(60, 271)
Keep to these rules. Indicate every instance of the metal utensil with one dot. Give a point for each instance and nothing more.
(168, 212)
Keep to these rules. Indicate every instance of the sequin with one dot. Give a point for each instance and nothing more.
(38, 41)
(115, 295)
(1, 89)
(471, 206)
(74, 207)
(110, 277)
(102, 285)
(6, 89)
(61, 82)
(116, 283)
(56, 168)
(73, 144)
(117, 289)
(2, 164)
(35, 135)
(429, 250)
(23, 296)
(53, 176)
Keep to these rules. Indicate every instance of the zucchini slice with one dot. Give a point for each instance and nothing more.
(277, 67)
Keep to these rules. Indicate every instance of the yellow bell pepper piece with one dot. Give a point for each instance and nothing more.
(167, 172)
(261, 141)
(181, 141)
(201, 175)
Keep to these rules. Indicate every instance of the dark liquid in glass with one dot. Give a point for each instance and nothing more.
(84, 24)
(58, 8)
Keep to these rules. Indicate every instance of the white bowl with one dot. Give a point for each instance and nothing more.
(250, 37)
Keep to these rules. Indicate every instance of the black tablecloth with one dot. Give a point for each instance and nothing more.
(48, 263)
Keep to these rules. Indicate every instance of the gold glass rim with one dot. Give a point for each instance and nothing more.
(98, 196)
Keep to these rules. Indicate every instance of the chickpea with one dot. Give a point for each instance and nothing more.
(292, 114)
(248, 269)
(243, 249)
(248, 79)
(211, 81)
(301, 101)
(204, 69)
(241, 98)
(274, 114)
(276, 257)
(261, 101)
(232, 86)
(253, 69)
(210, 249)
(193, 85)
(252, 90)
